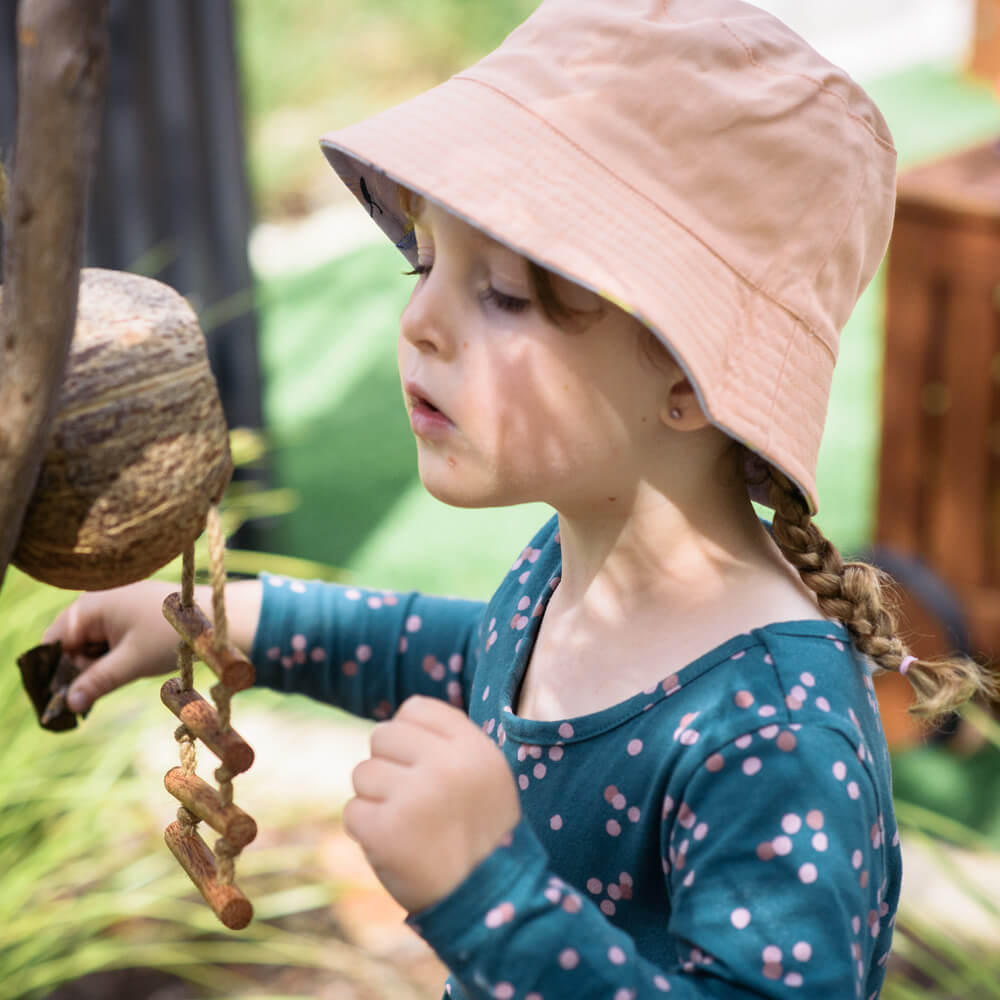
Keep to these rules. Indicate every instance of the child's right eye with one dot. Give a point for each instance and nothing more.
(419, 270)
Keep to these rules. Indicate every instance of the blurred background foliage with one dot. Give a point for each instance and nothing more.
(311, 67)
(90, 885)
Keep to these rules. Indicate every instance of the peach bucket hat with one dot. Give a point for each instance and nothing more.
(695, 162)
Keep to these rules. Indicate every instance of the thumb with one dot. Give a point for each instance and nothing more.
(111, 671)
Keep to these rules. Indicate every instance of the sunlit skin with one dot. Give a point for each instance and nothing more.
(528, 410)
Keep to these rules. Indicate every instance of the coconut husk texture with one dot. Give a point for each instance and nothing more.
(139, 448)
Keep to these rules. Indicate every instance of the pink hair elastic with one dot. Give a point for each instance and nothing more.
(905, 665)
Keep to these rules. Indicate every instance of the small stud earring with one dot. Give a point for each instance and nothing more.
(675, 413)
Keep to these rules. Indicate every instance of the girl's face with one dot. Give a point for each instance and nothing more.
(508, 407)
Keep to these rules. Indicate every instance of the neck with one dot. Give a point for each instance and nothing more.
(662, 555)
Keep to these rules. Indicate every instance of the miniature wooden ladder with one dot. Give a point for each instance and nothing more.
(212, 874)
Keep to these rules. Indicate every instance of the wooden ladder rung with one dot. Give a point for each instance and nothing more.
(203, 721)
(238, 827)
(196, 858)
(232, 668)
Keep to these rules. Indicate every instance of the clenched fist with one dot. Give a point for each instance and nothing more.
(433, 800)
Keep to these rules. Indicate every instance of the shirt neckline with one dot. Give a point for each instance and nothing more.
(577, 728)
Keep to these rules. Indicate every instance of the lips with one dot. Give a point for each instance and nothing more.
(426, 419)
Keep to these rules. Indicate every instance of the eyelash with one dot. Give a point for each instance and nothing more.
(506, 303)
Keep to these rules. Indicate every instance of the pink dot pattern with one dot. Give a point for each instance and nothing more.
(761, 758)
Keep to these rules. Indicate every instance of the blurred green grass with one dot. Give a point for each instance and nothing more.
(341, 438)
(310, 67)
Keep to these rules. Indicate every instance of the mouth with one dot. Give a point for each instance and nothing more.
(426, 418)
(417, 397)
(423, 403)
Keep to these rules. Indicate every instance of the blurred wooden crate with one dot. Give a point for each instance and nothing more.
(939, 473)
(985, 58)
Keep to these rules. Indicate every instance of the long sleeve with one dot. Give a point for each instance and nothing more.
(784, 899)
(725, 833)
(364, 650)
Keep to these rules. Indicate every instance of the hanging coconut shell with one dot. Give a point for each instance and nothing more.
(139, 446)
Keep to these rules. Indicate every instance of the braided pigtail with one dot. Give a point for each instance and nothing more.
(861, 596)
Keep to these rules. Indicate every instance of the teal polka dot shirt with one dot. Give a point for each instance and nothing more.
(726, 833)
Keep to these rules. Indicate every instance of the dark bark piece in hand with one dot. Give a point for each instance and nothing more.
(47, 673)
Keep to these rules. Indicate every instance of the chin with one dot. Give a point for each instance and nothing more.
(457, 490)
(459, 495)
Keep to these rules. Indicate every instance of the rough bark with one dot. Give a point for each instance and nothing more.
(62, 59)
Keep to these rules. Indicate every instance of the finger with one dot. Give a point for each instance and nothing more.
(103, 675)
(399, 740)
(359, 819)
(432, 714)
(375, 779)
(76, 627)
(64, 627)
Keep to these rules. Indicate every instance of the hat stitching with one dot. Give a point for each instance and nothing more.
(792, 467)
(855, 198)
(743, 319)
(772, 296)
(863, 122)
(779, 380)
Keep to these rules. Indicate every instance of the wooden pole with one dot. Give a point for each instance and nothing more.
(229, 664)
(195, 857)
(62, 60)
(204, 801)
(203, 722)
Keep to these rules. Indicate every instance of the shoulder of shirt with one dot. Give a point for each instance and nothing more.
(802, 678)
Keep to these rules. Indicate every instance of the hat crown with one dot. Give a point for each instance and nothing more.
(765, 151)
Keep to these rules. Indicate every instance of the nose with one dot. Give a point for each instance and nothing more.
(427, 320)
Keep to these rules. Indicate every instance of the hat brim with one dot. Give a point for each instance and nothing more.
(501, 168)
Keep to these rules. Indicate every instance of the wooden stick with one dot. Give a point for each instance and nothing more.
(203, 721)
(203, 800)
(229, 664)
(61, 66)
(195, 857)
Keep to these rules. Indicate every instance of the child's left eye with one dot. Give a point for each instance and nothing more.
(508, 303)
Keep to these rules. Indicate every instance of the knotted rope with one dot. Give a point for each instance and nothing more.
(225, 853)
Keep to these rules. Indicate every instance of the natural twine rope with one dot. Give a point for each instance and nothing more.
(217, 561)
(185, 666)
(225, 853)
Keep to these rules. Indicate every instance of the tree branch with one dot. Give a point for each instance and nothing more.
(62, 58)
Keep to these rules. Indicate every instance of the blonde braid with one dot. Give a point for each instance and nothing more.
(861, 596)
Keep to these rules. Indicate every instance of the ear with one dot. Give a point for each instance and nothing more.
(681, 410)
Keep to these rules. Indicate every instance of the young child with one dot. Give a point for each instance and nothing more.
(652, 763)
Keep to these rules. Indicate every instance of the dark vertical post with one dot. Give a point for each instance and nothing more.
(62, 61)
(170, 197)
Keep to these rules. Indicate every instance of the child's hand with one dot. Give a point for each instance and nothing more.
(130, 622)
(433, 800)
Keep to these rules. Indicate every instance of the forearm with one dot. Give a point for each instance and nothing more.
(363, 650)
(243, 601)
(513, 928)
